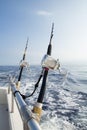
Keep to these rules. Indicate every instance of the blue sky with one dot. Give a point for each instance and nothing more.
(20, 19)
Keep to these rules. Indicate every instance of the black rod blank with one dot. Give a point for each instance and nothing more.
(43, 86)
(21, 69)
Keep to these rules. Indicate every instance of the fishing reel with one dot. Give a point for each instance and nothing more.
(23, 63)
(50, 62)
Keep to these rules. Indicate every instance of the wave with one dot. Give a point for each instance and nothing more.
(65, 102)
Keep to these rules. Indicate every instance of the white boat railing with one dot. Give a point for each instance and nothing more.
(28, 118)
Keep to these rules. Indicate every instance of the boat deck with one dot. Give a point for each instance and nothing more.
(4, 115)
(9, 120)
(4, 122)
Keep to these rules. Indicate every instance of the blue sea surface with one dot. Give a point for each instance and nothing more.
(65, 101)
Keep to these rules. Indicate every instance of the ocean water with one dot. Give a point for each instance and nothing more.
(65, 101)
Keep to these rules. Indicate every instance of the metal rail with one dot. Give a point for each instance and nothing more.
(27, 116)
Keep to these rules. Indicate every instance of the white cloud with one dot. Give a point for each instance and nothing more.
(44, 13)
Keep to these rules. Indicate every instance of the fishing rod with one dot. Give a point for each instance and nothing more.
(43, 87)
(22, 65)
(47, 63)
